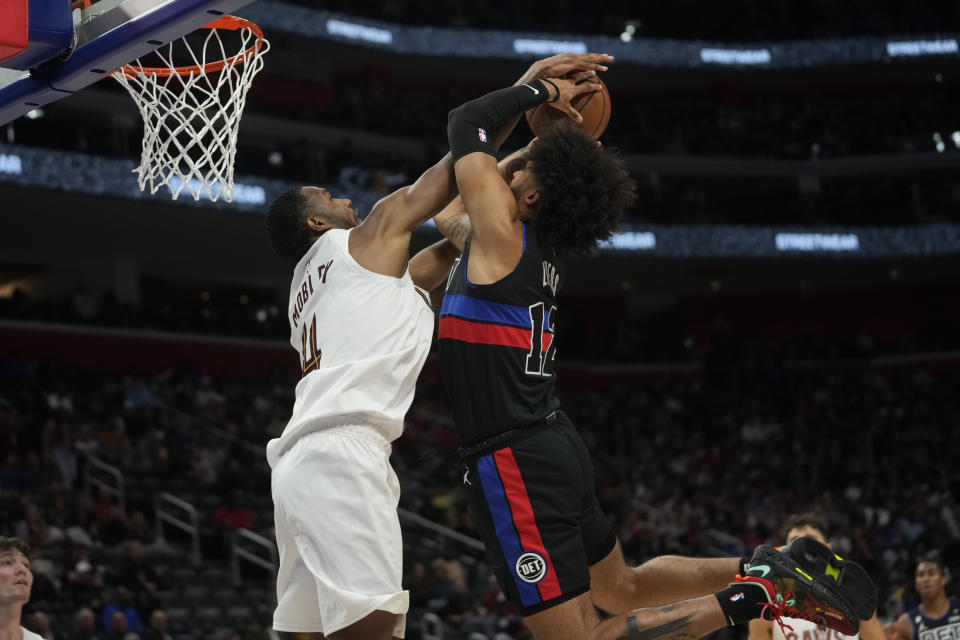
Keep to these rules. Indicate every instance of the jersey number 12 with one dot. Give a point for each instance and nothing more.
(538, 357)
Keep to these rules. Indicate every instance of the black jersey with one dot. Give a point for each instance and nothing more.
(497, 344)
(946, 627)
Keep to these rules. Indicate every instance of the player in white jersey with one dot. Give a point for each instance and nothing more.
(16, 580)
(813, 526)
(361, 321)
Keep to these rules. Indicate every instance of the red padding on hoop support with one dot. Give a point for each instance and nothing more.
(14, 28)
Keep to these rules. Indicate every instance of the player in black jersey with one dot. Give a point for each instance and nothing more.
(936, 617)
(529, 477)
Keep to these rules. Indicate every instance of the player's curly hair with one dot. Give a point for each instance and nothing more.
(584, 189)
(287, 225)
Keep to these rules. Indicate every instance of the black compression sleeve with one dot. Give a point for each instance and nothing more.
(471, 126)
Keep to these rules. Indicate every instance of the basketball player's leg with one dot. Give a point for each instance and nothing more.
(577, 618)
(379, 625)
(617, 587)
(340, 573)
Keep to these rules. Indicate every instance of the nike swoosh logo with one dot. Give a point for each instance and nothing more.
(760, 567)
(536, 91)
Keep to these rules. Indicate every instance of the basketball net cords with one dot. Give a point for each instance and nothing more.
(183, 116)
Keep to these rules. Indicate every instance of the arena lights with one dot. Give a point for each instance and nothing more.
(544, 47)
(10, 164)
(74, 172)
(630, 30)
(627, 47)
(78, 173)
(915, 48)
(631, 240)
(354, 31)
(941, 145)
(735, 56)
(807, 242)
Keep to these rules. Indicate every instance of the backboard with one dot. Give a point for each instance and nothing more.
(107, 35)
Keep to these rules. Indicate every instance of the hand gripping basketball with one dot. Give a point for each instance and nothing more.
(566, 63)
(567, 90)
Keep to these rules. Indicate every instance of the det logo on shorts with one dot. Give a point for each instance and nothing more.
(531, 567)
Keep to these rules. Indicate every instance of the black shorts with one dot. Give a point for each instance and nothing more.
(536, 507)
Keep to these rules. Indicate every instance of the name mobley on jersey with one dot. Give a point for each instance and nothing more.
(306, 290)
(362, 339)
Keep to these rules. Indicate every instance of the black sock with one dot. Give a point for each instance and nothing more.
(741, 602)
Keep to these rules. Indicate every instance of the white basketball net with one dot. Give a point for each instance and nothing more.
(191, 114)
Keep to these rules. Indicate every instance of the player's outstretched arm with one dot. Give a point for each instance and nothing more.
(408, 207)
(381, 243)
(871, 629)
(453, 222)
(431, 266)
(899, 629)
(760, 629)
(497, 237)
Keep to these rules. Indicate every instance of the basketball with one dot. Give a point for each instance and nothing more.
(594, 107)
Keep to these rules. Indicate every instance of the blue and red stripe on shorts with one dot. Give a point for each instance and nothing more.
(514, 523)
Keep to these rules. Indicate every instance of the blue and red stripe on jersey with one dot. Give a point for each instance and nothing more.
(515, 524)
(481, 321)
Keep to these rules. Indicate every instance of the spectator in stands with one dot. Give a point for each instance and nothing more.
(261, 627)
(235, 475)
(100, 507)
(158, 627)
(122, 605)
(45, 594)
(58, 451)
(113, 530)
(448, 591)
(496, 610)
(139, 395)
(41, 625)
(118, 629)
(139, 529)
(85, 625)
(83, 582)
(206, 459)
(233, 515)
(417, 583)
(135, 572)
(34, 529)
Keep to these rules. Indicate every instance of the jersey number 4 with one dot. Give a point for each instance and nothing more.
(310, 353)
(538, 357)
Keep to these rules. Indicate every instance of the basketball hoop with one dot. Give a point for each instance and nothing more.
(191, 113)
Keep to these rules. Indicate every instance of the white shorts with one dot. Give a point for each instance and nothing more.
(335, 501)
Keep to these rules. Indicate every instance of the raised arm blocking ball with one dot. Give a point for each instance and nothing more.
(594, 107)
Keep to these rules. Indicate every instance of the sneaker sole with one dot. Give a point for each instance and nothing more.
(792, 577)
(830, 569)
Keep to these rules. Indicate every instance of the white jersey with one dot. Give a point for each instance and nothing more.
(30, 635)
(362, 338)
(806, 630)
